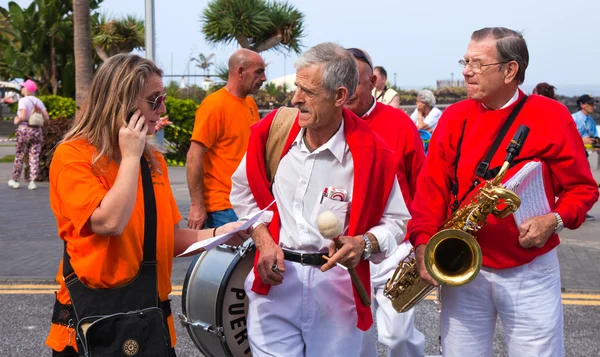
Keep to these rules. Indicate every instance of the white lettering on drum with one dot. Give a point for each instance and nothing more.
(240, 322)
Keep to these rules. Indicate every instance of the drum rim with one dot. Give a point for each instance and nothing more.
(220, 293)
(183, 299)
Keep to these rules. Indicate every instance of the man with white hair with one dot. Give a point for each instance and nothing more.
(519, 281)
(298, 305)
(426, 114)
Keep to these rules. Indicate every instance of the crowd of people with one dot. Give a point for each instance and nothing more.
(110, 193)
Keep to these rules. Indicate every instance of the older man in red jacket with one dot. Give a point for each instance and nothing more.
(298, 305)
(396, 331)
(520, 278)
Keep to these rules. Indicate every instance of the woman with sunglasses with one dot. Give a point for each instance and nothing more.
(98, 193)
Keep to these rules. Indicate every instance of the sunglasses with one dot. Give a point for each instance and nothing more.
(360, 55)
(157, 102)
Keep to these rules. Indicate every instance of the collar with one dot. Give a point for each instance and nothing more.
(371, 109)
(509, 103)
(336, 144)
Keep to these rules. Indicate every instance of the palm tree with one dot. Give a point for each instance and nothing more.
(258, 25)
(204, 62)
(222, 72)
(83, 49)
(111, 37)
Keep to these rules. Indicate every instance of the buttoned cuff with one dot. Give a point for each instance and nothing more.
(387, 244)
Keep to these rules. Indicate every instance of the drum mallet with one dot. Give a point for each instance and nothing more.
(330, 228)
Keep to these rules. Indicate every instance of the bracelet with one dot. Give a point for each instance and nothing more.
(215, 232)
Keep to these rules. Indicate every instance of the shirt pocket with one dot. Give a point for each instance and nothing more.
(340, 209)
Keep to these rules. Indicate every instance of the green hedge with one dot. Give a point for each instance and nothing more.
(182, 113)
(59, 107)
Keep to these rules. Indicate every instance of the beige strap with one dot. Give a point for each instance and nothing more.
(278, 135)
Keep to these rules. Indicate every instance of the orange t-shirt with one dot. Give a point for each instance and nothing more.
(101, 261)
(223, 125)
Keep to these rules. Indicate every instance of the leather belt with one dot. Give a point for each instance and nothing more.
(314, 259)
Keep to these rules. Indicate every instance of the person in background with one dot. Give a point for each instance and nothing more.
(426, 114)
(381, 91)
(96, 195)
(220, 139)
(396, 331)
(587, 126)
(546, 90)
(29, 138)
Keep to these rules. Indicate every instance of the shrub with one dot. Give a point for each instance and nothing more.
(182, 113)
(59, 107)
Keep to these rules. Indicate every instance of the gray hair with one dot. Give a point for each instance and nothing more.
(339, 66)
(510, 46)
(426, 96)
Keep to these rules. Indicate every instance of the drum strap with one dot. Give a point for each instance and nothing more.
(278, 135)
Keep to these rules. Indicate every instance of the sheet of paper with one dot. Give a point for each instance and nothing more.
(210, 243)
(528, 184)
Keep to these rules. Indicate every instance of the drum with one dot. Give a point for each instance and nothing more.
(214, 303)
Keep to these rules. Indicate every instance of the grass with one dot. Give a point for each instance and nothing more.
(8, 159)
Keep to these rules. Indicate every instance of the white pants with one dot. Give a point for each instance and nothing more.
(527, 299)
(311, 314)
(395, 330)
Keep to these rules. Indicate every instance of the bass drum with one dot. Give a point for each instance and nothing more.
(214, 302)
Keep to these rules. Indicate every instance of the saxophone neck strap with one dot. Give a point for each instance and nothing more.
(483, 171)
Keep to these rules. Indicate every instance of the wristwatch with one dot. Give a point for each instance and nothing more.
(559, 223)
(368, 247)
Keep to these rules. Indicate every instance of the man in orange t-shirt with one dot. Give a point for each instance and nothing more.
(220, 139)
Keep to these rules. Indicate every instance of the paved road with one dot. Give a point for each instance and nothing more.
(24, 321)
(31, 252)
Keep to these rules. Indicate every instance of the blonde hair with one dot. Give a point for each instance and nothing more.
(112, 98)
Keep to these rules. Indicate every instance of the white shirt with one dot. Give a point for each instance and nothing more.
(510, 101)
(299, 182)
(431, 119)
(28, 103)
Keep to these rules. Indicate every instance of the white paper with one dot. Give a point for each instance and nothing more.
(528, 184)
(210, 243)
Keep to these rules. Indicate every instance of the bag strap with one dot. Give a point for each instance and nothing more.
(483, 170)
(278, 135)
(35, 109)
(385, 89)
(149, 221)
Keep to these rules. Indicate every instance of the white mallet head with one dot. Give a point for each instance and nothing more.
(329, 226)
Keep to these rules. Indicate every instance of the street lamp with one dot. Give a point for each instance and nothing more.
(150, 41)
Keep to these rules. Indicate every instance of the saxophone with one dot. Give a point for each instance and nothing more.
(453, 256)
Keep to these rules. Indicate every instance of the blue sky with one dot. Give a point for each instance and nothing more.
(420, 41)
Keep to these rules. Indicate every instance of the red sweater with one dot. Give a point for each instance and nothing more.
(400, 133)
(373, 161)
(553, 140)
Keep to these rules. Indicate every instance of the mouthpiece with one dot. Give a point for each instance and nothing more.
(328, 224)
(514, 148)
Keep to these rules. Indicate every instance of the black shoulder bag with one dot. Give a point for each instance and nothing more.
(126, 320)
(483, 171)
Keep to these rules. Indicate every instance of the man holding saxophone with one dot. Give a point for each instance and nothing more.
(520, 278)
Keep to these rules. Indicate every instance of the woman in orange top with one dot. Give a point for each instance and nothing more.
(97, 197)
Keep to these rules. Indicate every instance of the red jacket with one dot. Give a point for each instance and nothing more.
(553, 140)
(400, 133)
(374, 162)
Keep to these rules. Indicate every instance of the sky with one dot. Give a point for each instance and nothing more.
(418, 41)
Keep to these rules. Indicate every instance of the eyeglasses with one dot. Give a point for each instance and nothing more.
(157, 102)
(360, 55)
(477, 67)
